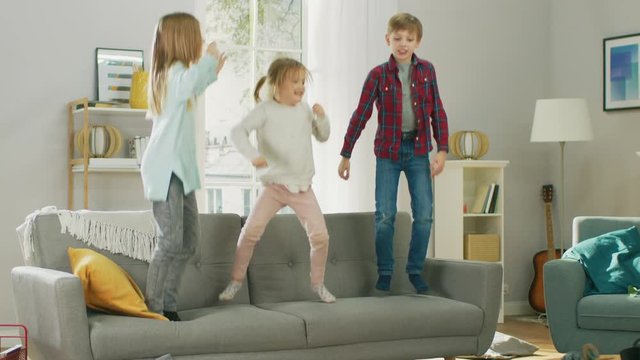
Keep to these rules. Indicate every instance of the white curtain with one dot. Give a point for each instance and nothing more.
(345, 41)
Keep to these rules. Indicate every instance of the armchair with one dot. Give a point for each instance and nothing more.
(609, 321)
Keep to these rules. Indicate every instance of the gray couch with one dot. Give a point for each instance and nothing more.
(276, 316)
(609, 321)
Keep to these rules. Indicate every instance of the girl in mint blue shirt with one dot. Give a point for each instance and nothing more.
(170, 176)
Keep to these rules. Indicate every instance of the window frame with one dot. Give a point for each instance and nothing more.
(254, 184)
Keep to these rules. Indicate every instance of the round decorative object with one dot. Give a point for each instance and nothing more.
(138, 95)
(104, 140)
(469, 145)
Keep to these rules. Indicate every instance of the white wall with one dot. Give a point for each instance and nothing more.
(48, 57)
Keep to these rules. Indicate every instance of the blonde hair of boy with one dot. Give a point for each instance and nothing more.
(278, 71)
(404, 21)
(177, 38)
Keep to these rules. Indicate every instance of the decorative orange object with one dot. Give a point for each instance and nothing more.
(469, 145)
(104, 141)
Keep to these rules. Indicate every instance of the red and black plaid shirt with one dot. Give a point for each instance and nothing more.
(383, 86)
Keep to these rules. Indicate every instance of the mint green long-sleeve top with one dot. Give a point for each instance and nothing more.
(172, 145)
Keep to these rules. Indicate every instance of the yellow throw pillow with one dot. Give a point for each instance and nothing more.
(107, 287)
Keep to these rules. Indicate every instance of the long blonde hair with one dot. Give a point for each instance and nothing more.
(177, 38)
(279, 69)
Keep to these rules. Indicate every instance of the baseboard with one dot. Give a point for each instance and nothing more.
(512, 308)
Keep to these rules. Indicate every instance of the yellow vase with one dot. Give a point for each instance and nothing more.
(138, 95)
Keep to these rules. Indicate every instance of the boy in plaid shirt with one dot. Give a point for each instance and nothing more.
(405, 92)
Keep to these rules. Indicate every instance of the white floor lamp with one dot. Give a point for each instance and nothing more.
(561, 120)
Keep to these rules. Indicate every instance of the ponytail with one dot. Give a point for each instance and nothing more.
(256, 92)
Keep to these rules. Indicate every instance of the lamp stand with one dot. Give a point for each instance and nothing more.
(562, 197)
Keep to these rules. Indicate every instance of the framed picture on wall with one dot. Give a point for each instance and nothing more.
(114, 68)
(621, 78)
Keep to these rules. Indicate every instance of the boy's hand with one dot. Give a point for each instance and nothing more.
(259, 162)
(318, 110)
(437, 165)
(344, 168)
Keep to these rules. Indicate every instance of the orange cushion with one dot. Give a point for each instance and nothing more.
(107, 287)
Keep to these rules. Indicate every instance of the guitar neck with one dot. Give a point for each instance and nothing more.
(551, 251)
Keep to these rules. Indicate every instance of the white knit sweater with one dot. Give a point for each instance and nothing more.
(284, 134)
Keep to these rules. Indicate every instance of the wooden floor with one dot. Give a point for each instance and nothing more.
(536, 332)
(532, 330)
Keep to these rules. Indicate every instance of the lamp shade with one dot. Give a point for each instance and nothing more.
(558, 120)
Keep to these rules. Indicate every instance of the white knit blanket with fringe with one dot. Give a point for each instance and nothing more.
(130, 233)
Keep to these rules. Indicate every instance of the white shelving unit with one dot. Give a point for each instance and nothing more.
(455, 191)
(129, 122)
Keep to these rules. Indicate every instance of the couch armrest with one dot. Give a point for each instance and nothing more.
(51, 305)
(474, 282)
(564, 283)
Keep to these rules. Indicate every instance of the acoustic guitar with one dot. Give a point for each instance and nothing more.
(536, 291)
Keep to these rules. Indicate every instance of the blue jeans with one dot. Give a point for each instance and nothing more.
(418, 173)
(179, 230)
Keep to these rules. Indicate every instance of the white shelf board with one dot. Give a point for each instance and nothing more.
(113, 111)
(477, 163)
(109, 165)
(482, 215)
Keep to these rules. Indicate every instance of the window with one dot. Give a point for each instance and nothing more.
(247, 202)
(252, 33)
(214, 200)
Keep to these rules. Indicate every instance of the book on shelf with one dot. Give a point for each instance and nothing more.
(485, 199)
(480, 199)
(494, 199)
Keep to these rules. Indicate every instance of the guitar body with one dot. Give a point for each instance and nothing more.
(536, 291)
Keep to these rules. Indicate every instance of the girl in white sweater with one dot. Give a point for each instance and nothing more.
(283, 125)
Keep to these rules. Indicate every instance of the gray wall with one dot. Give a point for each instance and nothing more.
(494, 59)
(48, 56)
(602, 175)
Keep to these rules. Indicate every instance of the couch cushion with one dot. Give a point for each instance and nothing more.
(209, 269)
(229, 328)
(370, 319)
(279, 269)
(609, 312)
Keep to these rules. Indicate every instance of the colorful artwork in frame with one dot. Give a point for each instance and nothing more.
(621, 78)
(114, 69)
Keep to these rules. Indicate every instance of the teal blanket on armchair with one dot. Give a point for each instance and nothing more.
(611, 261)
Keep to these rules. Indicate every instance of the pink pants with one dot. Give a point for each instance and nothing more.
(271, 200)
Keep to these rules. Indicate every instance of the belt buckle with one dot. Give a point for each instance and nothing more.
(409, 135)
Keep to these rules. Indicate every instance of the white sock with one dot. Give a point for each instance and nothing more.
(324, 294)
(230, 291)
